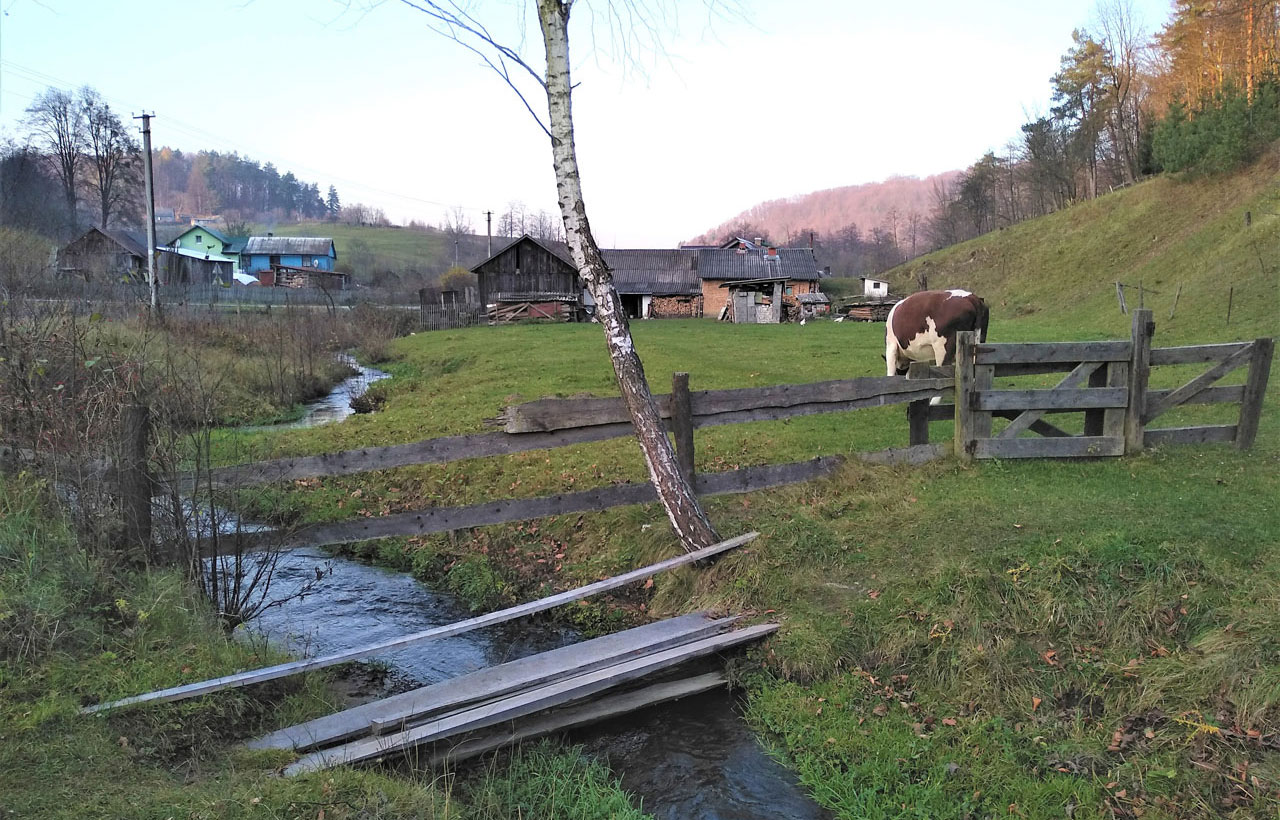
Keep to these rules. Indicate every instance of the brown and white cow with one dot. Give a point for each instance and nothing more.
(923, 327)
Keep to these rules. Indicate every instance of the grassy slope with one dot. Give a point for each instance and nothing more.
(957, 639)
(399, 249)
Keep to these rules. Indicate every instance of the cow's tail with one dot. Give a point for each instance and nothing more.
(981, 325)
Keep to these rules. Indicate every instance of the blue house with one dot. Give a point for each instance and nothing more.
(293, 261)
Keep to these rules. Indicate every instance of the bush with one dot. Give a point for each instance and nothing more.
(1225, 132)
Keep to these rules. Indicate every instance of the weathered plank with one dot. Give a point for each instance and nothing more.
(556, 414)
(594, 711)
(1219, 394)
(1068, 447)
(1255, 390)
(1041, 352)
(1141, 329)
(1024, 420)
(1225, 433)
(400, 711)
(1077, 399)
(1195, 354)
(522, 703)
(964, 380)
(797, 410)
(427, 451)
(1186, 391)
(915, 454)
(501, 616)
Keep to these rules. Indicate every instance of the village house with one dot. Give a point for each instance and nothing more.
(532, 278)
(104, 255)
(202, 255)
(294, 262)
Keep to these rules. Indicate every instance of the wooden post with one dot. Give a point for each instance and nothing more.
(984, 377)
(1142, 329)
(1174, 306)
(1093, 418)
(682, 424)
(1231, 293)
(1254, 390)
(918, 411)
(965, 377)
(135, 480)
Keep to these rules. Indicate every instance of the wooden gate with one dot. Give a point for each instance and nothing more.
(1096, 384)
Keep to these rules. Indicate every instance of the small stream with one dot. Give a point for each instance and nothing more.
(694, 759)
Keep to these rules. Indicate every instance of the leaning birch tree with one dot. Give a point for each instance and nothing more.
(452, 20)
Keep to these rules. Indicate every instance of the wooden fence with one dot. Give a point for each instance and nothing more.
(1106, 381)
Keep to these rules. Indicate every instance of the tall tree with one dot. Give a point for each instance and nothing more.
(57, 124)
(115, 164)
(332, 204)
(1081, 100)
(676, 494)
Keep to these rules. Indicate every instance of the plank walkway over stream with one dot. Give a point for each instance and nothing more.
(519, 699)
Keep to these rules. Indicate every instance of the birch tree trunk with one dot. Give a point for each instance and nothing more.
(687, 517)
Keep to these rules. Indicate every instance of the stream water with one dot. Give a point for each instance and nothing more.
(693, 759)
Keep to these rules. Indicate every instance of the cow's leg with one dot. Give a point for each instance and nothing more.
(940, 355)
(891, 356)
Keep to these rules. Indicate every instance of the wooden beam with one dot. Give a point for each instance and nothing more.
(1024, 420)
(595, 711)
(1077, 399)
(522, 704)
(1195, 354)
(1141, 329)
(1254, 392)
(403, 710)
(966, 341)
(1225, 433)
(1219, 394)
(1069, 447)
(1041, 352)
(682, 424)
(294, 667)
(1186, 391)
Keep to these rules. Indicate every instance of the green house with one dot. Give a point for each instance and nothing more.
(200, 242)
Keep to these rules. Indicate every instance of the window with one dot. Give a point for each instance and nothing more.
(199, 239)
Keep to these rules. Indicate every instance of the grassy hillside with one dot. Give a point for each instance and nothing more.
(1165, 233)
(406, 251)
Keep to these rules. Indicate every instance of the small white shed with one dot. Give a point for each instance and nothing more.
(874, 288)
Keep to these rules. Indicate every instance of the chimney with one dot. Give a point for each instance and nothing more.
(759, 241)
(773, 254)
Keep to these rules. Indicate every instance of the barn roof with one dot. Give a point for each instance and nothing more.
(289, 245)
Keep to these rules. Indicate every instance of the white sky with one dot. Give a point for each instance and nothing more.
(783, 98)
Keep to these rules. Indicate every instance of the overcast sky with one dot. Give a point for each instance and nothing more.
(774, 100)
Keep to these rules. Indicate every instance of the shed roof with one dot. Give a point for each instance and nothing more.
(288, 245)
(729, 263)
(666, 272)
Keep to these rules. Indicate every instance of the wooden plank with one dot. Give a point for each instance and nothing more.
(916, 454)
(1028, 418)
(556, 414)
(523, 703)
(682, 424)
(797, 410)
(1093, 417)
(400, 711)
(1186, 391)
(595, 711)
(1069, 447)
(1113, 418)
(1039, 426)
(965, 343)
(1141, 329)
(1225, 433)
(1041, 352)
(1195, 354)
(1077, 399)
(983, 379)
(427, 451)
(294, 667)
(1219, 394)
(1033, 369)
(1255, 391)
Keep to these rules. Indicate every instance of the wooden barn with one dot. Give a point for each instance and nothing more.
(104, 256)
(530, 279)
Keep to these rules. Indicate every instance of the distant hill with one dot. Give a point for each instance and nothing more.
(831, 211)
(1181, 239)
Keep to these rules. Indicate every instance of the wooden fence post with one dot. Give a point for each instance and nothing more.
(682, 424)
(1141, 330)
(135, 479)
(965, 378)
(918, 411)
(1254, 390)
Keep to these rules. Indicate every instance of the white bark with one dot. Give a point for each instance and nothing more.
(682, 507)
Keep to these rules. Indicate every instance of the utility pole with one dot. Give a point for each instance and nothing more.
(488, 228)
(151, 208)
